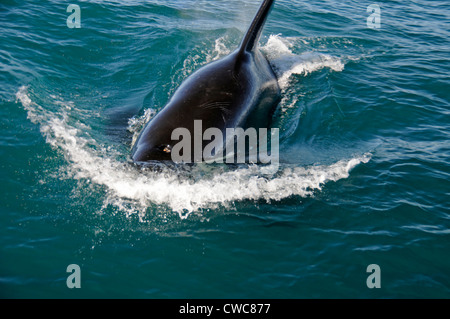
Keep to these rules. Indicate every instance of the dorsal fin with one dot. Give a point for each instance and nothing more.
(254, 32)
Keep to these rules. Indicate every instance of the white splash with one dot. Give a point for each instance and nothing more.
(220, 50)
(286, 63)
(137, 123)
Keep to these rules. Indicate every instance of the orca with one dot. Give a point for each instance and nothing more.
(240, 90)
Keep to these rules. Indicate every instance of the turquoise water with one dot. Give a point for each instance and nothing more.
(364, 174)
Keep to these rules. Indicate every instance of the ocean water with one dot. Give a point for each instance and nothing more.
(364, 153)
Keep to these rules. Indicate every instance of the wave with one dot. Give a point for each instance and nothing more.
(184, 191)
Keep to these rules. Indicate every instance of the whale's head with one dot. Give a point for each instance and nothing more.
(204, 97)
(155, 141)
